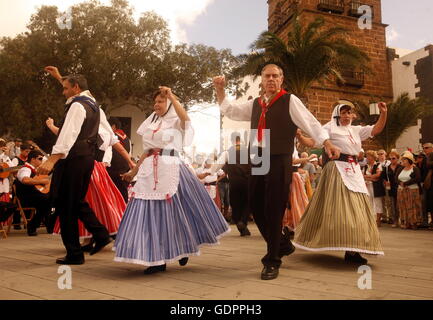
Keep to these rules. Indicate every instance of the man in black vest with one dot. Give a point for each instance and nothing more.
(73, 159)
(30, 196)
(238, 172)
(274, 117)
(119, 165)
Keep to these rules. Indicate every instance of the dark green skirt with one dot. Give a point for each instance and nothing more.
(338, 219)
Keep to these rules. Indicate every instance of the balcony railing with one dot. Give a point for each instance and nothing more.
(354, 6)
(335, 6)
(353, 78)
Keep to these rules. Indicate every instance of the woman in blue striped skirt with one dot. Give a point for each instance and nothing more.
(170, 215)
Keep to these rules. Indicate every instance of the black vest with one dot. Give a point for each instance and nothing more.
(24, 190)
(378, 188)
(278, 121)
(87, 140)
(118, 163)
(20, 162)
(234, 168)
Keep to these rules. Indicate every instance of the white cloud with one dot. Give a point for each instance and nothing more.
(392, 34)
(15, 15)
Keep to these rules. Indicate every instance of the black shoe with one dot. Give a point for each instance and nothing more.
(183, 261)
(269, 273)
(17, 228)
(74, 261)
(32, 232)
(243, 229)
(287, 251)
(88, 247)
(245, 232)
(99, 246)
(355, 257)
(155, 269)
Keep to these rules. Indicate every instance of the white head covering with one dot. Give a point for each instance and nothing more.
(336, 127)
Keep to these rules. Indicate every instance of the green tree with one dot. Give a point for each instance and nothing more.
(403, 113)
(123, 60)
(312, 53)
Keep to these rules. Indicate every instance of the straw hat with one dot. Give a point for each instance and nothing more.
(408, 155)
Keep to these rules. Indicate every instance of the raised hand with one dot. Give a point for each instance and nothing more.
(219, 82)
(54, 72)
(49, 122)
(166, 92)
(382, 107)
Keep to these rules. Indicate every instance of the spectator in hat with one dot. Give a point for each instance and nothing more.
(409, 192)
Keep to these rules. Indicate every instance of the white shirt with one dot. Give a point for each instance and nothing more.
(14, 162)
(404, 176)
(72, 127)
(4, 183)
(300, 115)
(158, 176)
(24, 172)
(213, 177)
(349, 140)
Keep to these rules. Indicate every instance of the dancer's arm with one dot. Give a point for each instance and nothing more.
(51, 126)
(304, 120)
(381, 122)
(129, 176)
(237, 112)
(308, 142)
(54, 72)
(180, 111)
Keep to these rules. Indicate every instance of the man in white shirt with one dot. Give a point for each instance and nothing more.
(279, 114)
(4, 182)
(72, 159)
(26, 186)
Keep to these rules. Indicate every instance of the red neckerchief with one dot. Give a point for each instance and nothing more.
(31, 168)
(265, 109)
(122, 135)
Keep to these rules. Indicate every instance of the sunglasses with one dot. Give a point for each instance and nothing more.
(393, 158)
(427, 148)
(40, 158)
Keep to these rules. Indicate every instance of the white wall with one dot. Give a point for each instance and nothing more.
(137, 118)
(404, 80)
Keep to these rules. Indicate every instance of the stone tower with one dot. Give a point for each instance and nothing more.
(358, 86)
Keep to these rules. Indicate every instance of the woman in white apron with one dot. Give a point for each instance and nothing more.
(340, 217)
(170, 215)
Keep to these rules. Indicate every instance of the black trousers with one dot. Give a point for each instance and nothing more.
(71, 180)
(268, 197)
(41, 203)
(121, 185)
(239, 200)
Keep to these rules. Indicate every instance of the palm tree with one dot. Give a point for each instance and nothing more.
(310, 54)
(402, 114)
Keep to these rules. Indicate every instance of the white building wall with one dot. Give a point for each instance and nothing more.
(137, 118)
(404, 80)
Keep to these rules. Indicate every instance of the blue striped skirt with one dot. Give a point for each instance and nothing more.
(155, 232)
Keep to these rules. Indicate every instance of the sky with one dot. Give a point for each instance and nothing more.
(232, 24)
